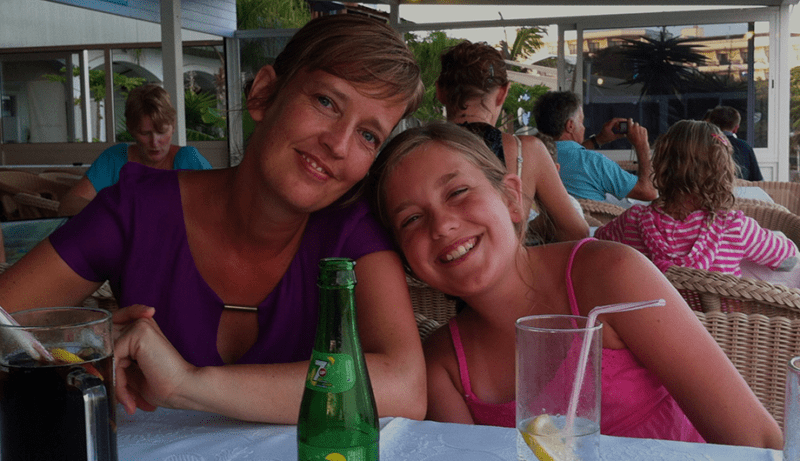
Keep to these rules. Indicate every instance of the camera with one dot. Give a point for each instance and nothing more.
(621, 128)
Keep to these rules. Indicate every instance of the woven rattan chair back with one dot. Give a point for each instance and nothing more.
(69, 179)
(760, 348)
(740, 203)
(34, 206)
(707, 291)
(784, 193)
(432, 308)
(14, 182)
(599, 212)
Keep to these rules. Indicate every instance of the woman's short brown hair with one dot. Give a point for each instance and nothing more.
(693, 161)
(358, 49)
(153, 101)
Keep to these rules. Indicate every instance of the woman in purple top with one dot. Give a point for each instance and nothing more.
(184, 249)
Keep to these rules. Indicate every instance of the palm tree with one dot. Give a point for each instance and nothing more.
(527, 41)
(661, 65)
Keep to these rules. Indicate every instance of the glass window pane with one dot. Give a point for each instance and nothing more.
(35, 106)
(659, 75)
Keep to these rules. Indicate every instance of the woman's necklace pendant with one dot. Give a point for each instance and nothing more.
(234, 307)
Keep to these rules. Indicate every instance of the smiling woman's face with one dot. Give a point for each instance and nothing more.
(454, 227)
(318, 137)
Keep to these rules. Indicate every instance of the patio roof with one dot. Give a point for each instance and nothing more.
(220, 20)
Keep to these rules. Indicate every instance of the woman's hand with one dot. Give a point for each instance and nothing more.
(149, 371)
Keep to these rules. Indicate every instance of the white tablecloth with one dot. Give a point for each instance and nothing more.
(171, 435)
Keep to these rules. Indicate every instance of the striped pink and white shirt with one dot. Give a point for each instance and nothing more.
(697, 241)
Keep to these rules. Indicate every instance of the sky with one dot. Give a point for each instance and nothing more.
(447, 13)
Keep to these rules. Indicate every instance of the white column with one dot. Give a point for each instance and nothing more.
(172, 56)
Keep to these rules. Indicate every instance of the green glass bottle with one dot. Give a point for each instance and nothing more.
(338, 419)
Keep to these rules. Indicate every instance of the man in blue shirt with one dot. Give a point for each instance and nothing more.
(586, 173)
(727, 119)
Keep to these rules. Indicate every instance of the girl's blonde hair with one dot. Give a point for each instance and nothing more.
(693, 162)
(450, 135)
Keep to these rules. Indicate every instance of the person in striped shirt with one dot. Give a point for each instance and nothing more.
(692, 223)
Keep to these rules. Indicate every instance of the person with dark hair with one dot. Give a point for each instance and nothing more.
(473, 85)
(150, 119)
(728, 119)
(216, 270)
(586, 173)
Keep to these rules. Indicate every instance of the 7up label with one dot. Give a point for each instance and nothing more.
(329, 372)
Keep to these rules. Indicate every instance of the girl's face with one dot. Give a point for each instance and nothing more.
(318, 137)
(454, 228)
(153, 144)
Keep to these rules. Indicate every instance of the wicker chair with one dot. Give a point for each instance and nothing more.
(707, 291)
(32, 206)
(740, 203)
(432, 308)
(757, 325)
(599, 212)
(13, 182)
(773, 218)
(760, 348)
(64, 177)
(784, 193)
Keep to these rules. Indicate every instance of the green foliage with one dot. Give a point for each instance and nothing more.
(794, 104)
(520, 97)
(97, 82)
(267, 14)
(202, 116)
(271, 14)
(427, 51)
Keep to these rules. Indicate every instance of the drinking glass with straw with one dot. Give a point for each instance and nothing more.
(24, 339)
(558, 383)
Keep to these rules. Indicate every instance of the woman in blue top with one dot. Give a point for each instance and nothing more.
(150, 118)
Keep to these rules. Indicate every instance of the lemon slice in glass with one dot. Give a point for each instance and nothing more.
(65, 356)
(546, 440)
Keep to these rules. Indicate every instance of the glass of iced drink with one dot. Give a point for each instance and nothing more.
(549, 367)
(791, 414)
(60, 409)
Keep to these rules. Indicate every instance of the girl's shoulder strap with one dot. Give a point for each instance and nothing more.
(519, 155)
(460, 356)
(573, 303)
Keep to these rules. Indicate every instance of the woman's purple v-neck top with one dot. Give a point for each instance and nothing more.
(133, 234)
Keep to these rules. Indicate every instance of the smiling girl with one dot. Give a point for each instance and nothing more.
(459, 229)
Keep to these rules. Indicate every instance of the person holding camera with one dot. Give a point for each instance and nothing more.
(587, 173)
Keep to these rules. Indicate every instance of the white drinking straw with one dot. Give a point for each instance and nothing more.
(584, 353)
(24, 338)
